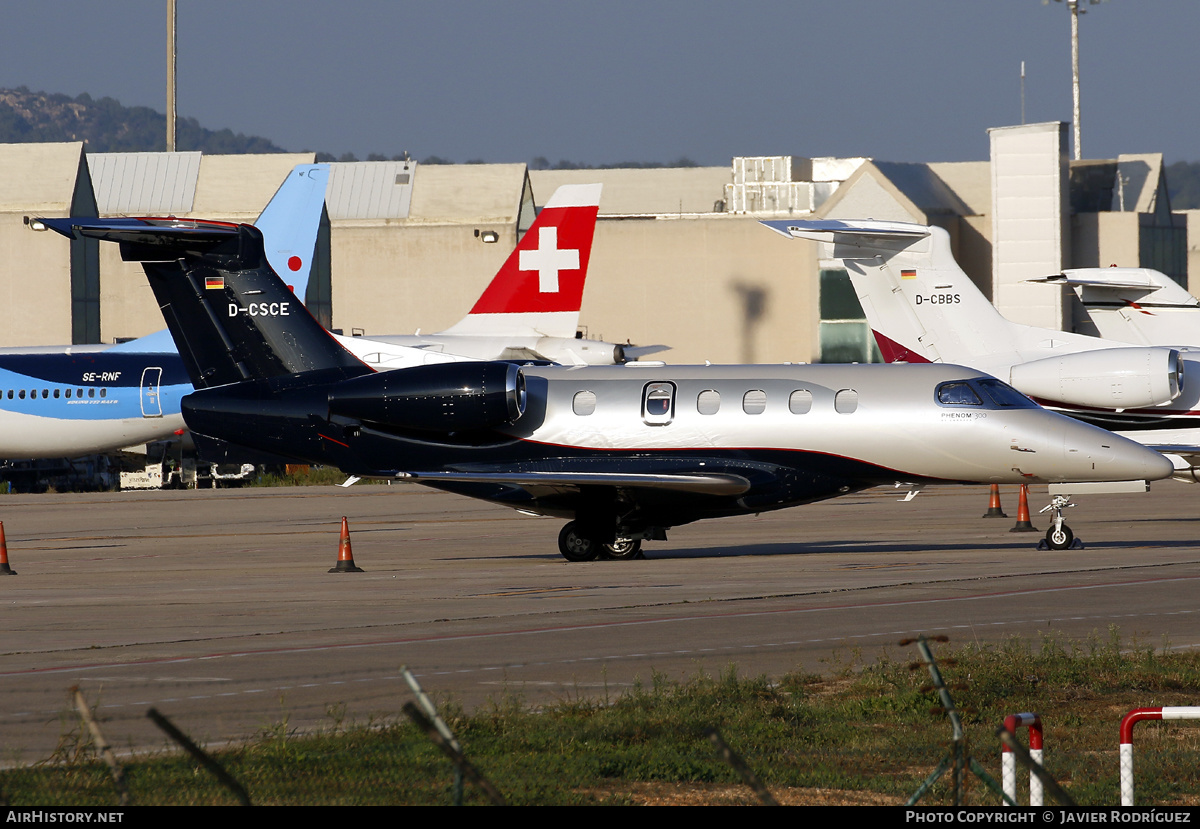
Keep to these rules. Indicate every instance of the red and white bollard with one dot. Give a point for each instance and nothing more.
(1128, 722)
(1008, 763)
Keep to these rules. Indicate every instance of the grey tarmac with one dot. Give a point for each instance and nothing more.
(217, 607)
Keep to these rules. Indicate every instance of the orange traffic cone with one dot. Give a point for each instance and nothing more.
(994, 509)
(345, 562)
(5, 570)
(1023, 525)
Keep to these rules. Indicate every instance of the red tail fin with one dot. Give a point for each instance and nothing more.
(546, 272)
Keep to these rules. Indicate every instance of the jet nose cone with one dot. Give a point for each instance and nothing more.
(1093, 454)
(1158, 466)
(1121, 459)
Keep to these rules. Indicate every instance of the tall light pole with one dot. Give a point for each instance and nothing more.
(170, 76)
(1077, 8)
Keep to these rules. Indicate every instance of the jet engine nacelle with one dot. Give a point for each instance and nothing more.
(580, 352)
(450, 397)
(1111, 378)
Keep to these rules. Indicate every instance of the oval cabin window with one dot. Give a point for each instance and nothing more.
(584, 403)
(845, 401)
(800, 402)
(658, 403)
(754, 401)
(708, 402)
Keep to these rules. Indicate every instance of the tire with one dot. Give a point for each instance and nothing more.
(623, 549)
(1060, 539)
(575, 546)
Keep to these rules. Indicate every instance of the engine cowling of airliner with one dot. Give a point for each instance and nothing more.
(1109, 378)
(449, 397)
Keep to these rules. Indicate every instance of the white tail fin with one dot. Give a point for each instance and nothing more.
(919, 302)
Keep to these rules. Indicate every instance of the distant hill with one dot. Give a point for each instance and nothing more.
(107, 126)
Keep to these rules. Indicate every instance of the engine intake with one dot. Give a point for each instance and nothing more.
(1110, 378)
(449, 397)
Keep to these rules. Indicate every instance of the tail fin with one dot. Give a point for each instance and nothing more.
(919, 303)
(539, 289)
(290, 221)
(289, 224)
(231, 316)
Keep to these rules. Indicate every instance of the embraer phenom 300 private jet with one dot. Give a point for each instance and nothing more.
(624, 452)
(922, 307)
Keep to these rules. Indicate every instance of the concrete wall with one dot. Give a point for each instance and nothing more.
(393, 278)
(717, 288)
(1193, 250)
(1030, 219)
(35, 268)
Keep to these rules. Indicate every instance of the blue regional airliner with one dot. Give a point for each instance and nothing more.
(82, 400)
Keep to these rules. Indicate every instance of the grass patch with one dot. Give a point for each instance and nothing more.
(862, 736)
(303, 475)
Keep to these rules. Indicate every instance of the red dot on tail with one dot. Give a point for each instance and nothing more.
(294, 263)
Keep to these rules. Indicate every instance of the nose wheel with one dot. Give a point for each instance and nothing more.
(1059, 536)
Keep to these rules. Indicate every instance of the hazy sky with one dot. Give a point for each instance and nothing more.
(626, 80)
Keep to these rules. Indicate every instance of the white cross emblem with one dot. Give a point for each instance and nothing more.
(548, 260)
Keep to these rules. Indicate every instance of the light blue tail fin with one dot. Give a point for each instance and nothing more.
(290, 221)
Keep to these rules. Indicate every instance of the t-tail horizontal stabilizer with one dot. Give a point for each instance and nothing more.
(861, 234)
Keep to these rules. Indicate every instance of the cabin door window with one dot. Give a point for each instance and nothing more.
(150, 392)
(658, 403)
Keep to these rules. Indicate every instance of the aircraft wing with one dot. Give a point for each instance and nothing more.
(720, 484)
(637, 352)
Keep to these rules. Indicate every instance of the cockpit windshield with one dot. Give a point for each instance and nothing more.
(986, 393)
(1005, 395)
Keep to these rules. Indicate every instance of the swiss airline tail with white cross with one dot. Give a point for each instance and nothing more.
(530, 310)
(539, 290)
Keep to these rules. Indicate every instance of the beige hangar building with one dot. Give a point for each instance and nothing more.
(679, 256)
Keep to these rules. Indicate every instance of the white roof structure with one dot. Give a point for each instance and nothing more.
(370, 189)
(144, 184)
(642, 191)
(467, 193)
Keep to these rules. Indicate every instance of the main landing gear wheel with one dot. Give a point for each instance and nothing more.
(1059, 538)
(623, 549)
(577, 547)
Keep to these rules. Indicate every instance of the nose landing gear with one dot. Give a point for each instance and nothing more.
(1059, 536)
